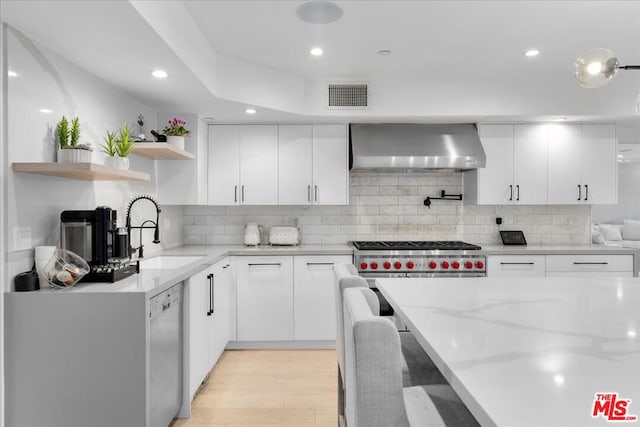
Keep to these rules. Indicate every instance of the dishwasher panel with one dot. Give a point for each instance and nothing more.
(165, 313)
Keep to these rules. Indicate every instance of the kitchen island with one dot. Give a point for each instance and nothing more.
(530, 351)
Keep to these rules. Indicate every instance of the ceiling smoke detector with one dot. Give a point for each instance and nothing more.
(319, 12)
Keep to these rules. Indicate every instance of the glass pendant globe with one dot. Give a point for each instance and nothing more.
(596, 68)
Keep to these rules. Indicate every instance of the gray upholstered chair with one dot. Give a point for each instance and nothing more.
(373, 377)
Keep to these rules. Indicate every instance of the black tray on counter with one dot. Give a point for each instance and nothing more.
(112, 272)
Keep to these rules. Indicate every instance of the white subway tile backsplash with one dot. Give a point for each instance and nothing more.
(390, 207)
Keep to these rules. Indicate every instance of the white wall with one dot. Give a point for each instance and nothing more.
(390, 206)
(46, 80)
(628, 206)
(3, 202)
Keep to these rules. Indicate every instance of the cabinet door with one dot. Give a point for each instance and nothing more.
(330, 165)
(198, 327)
(314, 301)
(530, 164)
(565, 151)
(224, 165)
(599, 164)
(219, 332)
(516, 266)
(265, 298)
(295, 181)
(259, 164)
(495, 181)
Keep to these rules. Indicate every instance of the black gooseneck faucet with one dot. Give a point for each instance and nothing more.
(156, 226)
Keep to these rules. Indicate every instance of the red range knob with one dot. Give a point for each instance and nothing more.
(397, 265)
(455, 265)
(432, 265)
(480, 264)
(445, 264)
(410, 265)
(387, 265)
(374, 265)
(363, 266)
(468, 264)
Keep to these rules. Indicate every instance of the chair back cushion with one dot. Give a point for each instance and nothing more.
(346, 276)
(373, 377)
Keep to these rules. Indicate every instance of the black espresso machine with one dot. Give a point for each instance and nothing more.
(95, 236)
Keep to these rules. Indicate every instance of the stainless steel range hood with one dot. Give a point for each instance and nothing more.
(415, 147)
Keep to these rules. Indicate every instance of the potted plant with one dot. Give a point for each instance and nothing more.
(110, 149)
(123, 146)
(68, 135)
(176, 132)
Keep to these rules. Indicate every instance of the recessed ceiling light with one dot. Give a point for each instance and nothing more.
(532, 52)
(12, 73)
(250, 111)
(319, 12)
(159, 74)
(316, 51)
(384, 52)
(45, 111)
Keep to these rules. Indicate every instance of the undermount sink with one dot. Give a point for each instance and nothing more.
(167, 262)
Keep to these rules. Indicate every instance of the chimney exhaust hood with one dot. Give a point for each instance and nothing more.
(396, 147)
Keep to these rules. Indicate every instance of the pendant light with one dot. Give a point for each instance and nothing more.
(597, 67)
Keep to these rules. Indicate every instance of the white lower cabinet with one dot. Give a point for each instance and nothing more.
(516, 266)
(286, 298)
(313, 294)
(210, 323)
(265, 298)
(590, 265)
(560, 265)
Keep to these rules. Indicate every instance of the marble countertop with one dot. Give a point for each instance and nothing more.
(559, 249)
(152, 281)
(531, 351)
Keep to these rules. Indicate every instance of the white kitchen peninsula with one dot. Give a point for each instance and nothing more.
(529, 351)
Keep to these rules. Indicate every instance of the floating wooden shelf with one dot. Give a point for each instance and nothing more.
(161, 151)
(86, 171)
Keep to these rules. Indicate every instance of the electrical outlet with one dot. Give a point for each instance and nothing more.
(21, 238)
(498, 220)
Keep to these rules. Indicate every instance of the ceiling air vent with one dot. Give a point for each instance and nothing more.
(350, 96)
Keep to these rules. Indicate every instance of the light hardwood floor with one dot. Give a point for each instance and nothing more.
(268, 388)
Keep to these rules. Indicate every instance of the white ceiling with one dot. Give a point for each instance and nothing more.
(451, 60)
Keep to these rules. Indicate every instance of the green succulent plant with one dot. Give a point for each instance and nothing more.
(74, 133)
(124, 141)
(110, 147)
(62, 132)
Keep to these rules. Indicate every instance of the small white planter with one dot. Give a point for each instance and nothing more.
(73, 155)
(177, 141)
(117, 162)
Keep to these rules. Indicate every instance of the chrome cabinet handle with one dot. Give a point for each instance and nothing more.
(265, 263)
(590, 263)
(579, 191)
(586, 197)
(308, 193)
(518, 193)
(243, 194)
(316, 193)
(235, 194)
(511, 193)
(210, 278)
(320, 263)
(517, 263)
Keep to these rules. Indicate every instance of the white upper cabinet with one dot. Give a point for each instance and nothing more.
(313, 166)
(243, 165)
(495, 181)
(545, 164)
(582, 164)
(516, 165)
(330, 165)
(599, 164)
(295, 174)
(530, 164)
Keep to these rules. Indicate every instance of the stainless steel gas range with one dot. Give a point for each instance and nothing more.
(419, 259)
(379, 259)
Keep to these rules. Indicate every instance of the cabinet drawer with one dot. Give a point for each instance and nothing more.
(516, 266)
(593, 263)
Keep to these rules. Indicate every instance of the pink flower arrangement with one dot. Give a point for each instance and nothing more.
(176, 128)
